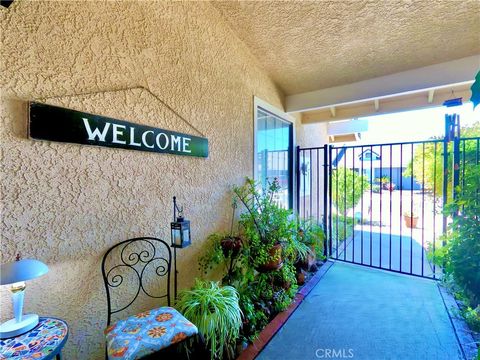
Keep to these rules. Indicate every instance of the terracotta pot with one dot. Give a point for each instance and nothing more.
(300, 277)
(287, 285)
(312, 258)
(275, 262)
(241, 345)
(308, 263)
(231, 245)
(410, 222)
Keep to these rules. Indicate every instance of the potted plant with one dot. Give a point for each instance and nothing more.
(263, 268)
(312, 234)
(223, 249)
(266, 225)
(387, 184)
(410, 218)
(215, 310)
(231, 244)
(302, 253)
(274, 260)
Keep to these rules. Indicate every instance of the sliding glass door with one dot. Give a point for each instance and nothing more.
(274, 154)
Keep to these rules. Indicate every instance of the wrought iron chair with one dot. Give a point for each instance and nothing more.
(147, 262)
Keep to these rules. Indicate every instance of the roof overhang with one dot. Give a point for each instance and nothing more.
(389, 105)
(458, 73)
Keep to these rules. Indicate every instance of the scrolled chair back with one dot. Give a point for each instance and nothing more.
(133, 267)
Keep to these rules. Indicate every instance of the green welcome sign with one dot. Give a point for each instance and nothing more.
(70, 126)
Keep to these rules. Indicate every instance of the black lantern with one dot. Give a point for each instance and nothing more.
(180, 228)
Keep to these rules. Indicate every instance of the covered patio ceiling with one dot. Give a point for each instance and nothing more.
(309, 47)
(388, 104)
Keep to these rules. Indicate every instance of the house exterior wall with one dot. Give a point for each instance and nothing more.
(67, 204)
(310, 135)
(311, 200)
(398, 157)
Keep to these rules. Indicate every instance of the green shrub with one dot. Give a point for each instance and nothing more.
(255, 315)
(264, 296)
(472, 317)
(312, 235)
(342, 227)
(264, 222)
(348, 187)
(461, 255)
(213, 255)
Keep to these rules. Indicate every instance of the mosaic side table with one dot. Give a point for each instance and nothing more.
(43, 342)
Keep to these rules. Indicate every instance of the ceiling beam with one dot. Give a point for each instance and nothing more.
(406, 82)
(332, 111)
(404, 103)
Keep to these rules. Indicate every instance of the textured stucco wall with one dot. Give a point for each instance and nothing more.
(310, 135)
(66, 204)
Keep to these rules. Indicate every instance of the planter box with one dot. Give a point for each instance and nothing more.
(252, 350)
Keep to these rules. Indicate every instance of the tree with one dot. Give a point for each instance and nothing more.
(427, 162)
(348, 187)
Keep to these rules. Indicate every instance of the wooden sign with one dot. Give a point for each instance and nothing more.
(54, 123)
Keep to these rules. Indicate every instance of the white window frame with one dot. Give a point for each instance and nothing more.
(259, 103)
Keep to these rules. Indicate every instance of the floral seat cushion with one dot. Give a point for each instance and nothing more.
(147, 333)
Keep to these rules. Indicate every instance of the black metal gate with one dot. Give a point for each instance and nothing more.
(381, 205)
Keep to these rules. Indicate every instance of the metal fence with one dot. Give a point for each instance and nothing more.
(312, 180)
(381, 204)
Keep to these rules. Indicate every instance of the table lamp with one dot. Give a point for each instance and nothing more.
(15, 274)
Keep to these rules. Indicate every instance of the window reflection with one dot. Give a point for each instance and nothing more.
(274, 145)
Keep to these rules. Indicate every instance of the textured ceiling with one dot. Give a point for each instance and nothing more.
(308, 46)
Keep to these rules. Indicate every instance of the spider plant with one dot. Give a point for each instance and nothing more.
(298, 251)
(311, 234)
(216, 313)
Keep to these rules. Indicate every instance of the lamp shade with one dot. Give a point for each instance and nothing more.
(21, 270)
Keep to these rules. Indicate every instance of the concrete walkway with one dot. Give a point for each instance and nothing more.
(360, 313)
(387, 251)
